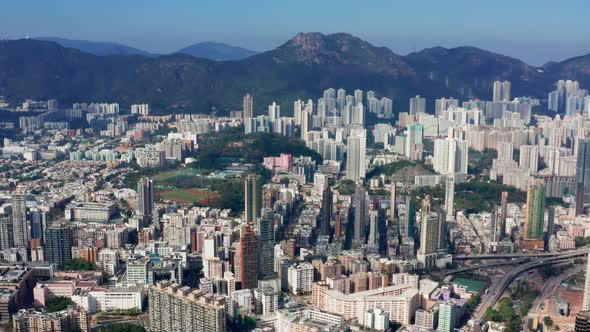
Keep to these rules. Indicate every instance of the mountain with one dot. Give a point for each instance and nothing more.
(96, 48)
(300, 68)
(217, 51)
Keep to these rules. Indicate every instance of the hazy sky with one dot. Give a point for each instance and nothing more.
(535, 31)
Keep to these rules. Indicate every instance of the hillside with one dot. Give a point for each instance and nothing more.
(96, 48)
(217, 51)
(300, 68)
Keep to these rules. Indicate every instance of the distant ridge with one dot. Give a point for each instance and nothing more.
(217, 51)
(300, 68)
(96, 48)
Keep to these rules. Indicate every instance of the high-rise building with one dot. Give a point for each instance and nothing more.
(501, 91)
(529, 157)
(145, 196)
(582, 175)
(535, 210)
(392, 200)
(274, 112)
(409, 220)
(447, 316)
(586, 300)
(248, 258)
(450, 195)
(326, 211)
(6, 234)
(253, 197)
(429, 238)
(503, 214)
(177, 309)
(582, 321)
(248, 106)
(494, 226)
(450, 156)
(266, 241)
(358, 97)
(442, 104)
(361, 213)
(19, 218)
(417, 105)
(356, 154)
(58, 245)
(373, 227)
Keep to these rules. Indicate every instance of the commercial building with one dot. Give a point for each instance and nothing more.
(90, 212)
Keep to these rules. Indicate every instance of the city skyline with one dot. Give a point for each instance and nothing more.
(406, 28)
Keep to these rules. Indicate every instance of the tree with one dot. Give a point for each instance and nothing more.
(548, 321)
(59, 303)
(122, 327)
(80, 264)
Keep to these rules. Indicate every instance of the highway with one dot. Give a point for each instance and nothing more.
(498, 287)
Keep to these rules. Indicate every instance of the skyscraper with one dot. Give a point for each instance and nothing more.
(586, 301)
(361, 202)
(19, 218)
(429, 238)
(248, 258)
(392, 201)
(503, 214)
(356, 154)
(373, 227)
(501, 91)
(417, 105)
(582, 175)
(145, 197)
(326, 211)
(450, 195)
(266, 240)
(248, 106)
(409, 218)
(253, 197)
(494, 226)
(58, 245)
(535, 210)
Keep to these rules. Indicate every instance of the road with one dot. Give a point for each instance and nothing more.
(550, 286)
(518, 255)
(498, 287)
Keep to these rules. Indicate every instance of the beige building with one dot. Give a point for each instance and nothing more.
(71, 319)
(174, 308)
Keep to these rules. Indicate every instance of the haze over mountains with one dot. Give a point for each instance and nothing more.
(300, 68)
(208, 50)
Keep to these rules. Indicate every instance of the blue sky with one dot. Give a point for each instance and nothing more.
(535, 31)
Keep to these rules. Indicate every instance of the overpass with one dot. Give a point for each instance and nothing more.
(517, 255)
(497, 289)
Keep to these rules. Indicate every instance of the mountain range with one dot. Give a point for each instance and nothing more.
(217, 51)
(207, 50)
(300, 68)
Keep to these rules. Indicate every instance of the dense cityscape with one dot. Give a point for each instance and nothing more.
(344, 215)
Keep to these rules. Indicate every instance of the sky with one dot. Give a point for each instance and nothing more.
(535, 31)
